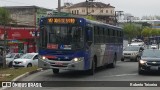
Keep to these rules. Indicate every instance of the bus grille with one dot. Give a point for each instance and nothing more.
(62, 65)
(58, 66)
(154, 64)
(59, 59)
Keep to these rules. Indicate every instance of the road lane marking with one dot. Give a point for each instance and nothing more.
(121, 75)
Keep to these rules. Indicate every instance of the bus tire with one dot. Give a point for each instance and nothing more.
(55, 71)
(92, 70)
(122, 59)
(113, 65)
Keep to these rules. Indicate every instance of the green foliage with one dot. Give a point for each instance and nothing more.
(154, 32)
(139, 30)
(158, 30)
(146, 32)
(90, 17)
(4, 16)
(131, 30)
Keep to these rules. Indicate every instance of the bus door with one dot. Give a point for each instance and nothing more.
(102, 46)
(89, 44)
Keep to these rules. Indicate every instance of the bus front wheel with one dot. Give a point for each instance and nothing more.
(55, 71)
(92, 70)
(113, 64)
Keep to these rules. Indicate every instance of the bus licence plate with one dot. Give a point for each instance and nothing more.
(58, 63)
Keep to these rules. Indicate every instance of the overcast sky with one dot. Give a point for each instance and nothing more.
(135, 7)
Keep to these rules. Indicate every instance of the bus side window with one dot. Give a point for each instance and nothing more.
(89, 35)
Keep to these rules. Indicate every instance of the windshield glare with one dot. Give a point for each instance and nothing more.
(131, 49)
(62, 37)
(10, 55)
(151, 53)
(27, 56)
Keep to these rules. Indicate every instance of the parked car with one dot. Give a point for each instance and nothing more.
(10, 57)
(26, 60)
(137, 44)
(150, 61)
(132, 53)
(154, 46)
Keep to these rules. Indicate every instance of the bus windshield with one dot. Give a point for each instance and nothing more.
(62, 37)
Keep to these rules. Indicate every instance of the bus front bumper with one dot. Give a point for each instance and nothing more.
(65, 65)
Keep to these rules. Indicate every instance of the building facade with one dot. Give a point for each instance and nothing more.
(100, 11)
(22, 33)
(27, 15)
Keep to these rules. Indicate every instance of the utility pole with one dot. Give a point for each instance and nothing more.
(87, 6)
(5, 46)
(59, 7)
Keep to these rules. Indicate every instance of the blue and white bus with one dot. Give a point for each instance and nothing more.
(74, 43)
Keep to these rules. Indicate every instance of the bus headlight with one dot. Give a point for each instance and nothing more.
(42, 57)
(78, 59)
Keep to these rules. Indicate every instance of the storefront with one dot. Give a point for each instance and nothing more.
(20, 39)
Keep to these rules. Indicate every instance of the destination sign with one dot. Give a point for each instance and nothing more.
(61, 20)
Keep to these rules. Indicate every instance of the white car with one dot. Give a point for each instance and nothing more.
(27, 60)
(137, 44)
(10, 57)
(154, 46)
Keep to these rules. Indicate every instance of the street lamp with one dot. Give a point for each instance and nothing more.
(117, 13)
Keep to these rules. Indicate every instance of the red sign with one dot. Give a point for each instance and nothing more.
(53, 57)
(52, 46)
(18, 33)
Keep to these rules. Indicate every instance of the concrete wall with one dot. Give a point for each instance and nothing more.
(23, 16)
(29, 15)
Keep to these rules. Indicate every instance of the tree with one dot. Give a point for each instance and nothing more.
(130, 31)
(139, 30)
(4, 20)
(146, 32)
(154, 32)
(4, 16)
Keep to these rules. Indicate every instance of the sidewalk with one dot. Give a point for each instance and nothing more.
(18, 78)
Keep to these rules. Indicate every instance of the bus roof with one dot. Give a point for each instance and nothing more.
(101, 23)
(89, 21)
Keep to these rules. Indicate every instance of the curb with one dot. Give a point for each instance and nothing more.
(26, 74)
(22, 76)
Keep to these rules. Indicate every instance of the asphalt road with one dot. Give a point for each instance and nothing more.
(124, 71)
